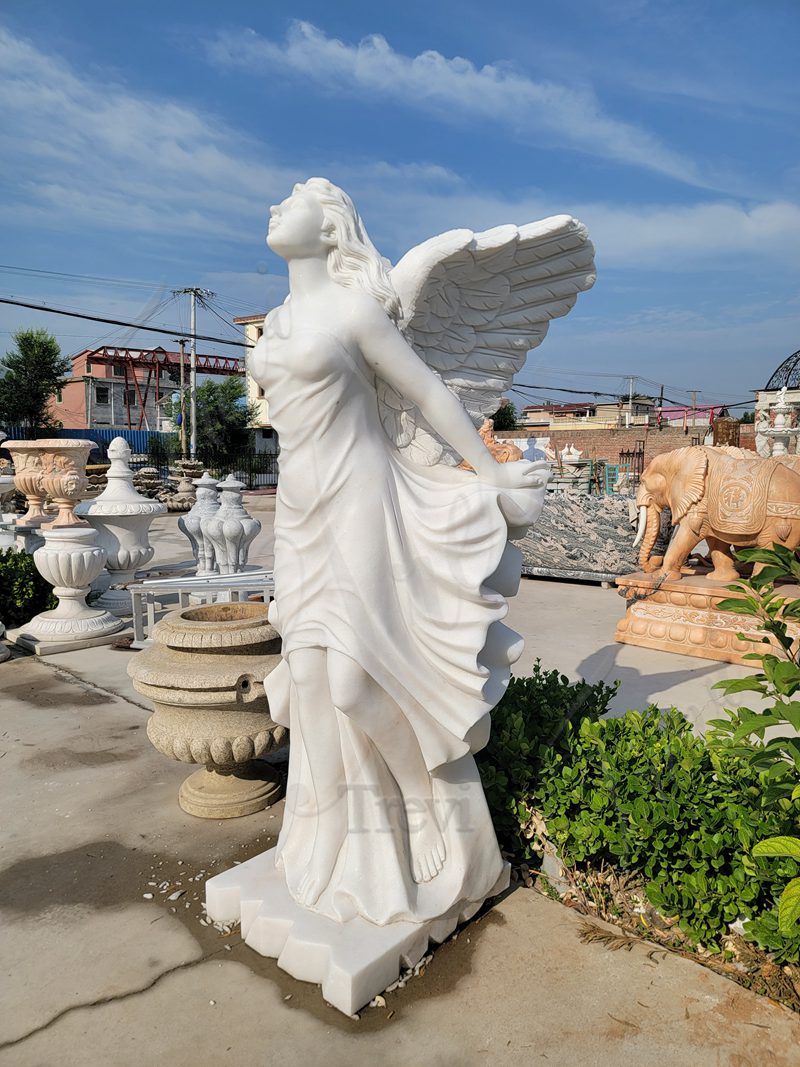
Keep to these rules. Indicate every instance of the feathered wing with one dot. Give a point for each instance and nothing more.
(474, 304)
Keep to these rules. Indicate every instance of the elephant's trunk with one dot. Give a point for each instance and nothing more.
(650, 535)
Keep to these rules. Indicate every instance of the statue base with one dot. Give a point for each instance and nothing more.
(682, 616)
(353, 961)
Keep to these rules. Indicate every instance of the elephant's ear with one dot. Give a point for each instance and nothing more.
(689, 483)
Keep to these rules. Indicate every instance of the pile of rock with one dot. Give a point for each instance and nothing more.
(585, 537)
(147, 482)
(96, 475)
(186, 468)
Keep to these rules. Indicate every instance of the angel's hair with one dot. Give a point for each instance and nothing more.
(353, 261)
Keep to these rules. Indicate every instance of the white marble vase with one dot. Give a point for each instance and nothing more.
(6, 483)
(231, 529)
(122, 517)
(70, 559)
(193, 523)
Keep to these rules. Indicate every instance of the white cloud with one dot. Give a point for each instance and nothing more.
(457, 90)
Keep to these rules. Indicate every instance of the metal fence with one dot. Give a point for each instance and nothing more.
(257, 470)
(633, 460)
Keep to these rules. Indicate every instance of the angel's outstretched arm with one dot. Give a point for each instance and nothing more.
(395, 361)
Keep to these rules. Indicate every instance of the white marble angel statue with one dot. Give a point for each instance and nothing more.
(392, 564)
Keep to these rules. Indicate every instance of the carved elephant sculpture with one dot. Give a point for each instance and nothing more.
(725, 496)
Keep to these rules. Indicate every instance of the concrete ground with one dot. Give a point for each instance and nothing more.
(98, 974)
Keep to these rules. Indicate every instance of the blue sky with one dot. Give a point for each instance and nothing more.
(146, 141)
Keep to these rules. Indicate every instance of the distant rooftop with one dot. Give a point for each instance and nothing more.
(788, 374)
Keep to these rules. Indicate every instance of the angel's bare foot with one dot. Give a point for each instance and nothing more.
(428, 851)
(331, 829)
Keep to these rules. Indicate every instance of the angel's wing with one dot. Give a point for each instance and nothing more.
(474, 304)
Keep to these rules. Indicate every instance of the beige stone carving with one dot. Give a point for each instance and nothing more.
(725, 496)
(503, 453)
(682, 616)
(27, 459)
(64, 475)
(205, 676)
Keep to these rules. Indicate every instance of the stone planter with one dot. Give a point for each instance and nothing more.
(64, 475)
(122, 518)
(27, 458)
(204, 675)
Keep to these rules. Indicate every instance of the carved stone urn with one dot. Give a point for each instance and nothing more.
(192, 524)
(122, 518)
(70, 560)
(204, 674)
(232, 529)
(64, 475)
(27, 459)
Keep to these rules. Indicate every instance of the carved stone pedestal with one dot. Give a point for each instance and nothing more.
(682, 616)
(353, 961)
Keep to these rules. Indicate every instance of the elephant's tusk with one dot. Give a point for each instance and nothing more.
(642, 524)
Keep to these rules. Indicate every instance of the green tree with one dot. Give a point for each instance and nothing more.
(224, 417)
(34, 371)
(748, 416)
(505, 418)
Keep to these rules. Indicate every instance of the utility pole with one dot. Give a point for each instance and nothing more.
(660, 407)
(204, 294)
(694, 406)
(182, 343)
(630, 399)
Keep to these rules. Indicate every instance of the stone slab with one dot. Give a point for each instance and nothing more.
(353, 961)
(50, 648)
(682, 616)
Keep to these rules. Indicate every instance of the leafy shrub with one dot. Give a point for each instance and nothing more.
(23, 591)
(777, 757)
(530, 721)
(642, 793)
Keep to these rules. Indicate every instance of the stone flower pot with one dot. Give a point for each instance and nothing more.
(27, 459)
(204, 674)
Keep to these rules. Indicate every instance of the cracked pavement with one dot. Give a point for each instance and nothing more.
(95, 973)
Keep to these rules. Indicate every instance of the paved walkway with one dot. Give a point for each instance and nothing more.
(97, 974)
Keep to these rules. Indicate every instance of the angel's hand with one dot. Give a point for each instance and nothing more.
(520, 474)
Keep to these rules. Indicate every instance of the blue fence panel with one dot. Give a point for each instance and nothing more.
(139, 440)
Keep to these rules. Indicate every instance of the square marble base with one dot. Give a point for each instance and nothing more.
(353, 961)
(682, 616)
(50, 648)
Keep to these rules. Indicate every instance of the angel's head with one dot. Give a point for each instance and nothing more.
(320, 219)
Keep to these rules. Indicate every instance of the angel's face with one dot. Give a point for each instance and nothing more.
(296, 226)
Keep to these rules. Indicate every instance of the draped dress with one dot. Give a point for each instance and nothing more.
(404, 569)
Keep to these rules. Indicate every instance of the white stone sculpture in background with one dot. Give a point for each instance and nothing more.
(230, 530)
(6, 484)
(122, 518)
(391, 569)
(193, 523)
(70, 559)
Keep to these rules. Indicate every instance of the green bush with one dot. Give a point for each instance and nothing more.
(642, 793)
(23, 591)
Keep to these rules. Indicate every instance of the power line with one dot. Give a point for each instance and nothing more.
(169, 331)
(36, 272)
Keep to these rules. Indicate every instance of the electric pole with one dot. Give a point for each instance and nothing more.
(203, 294)
(630, 399)
(182, 343)
(694, 405)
